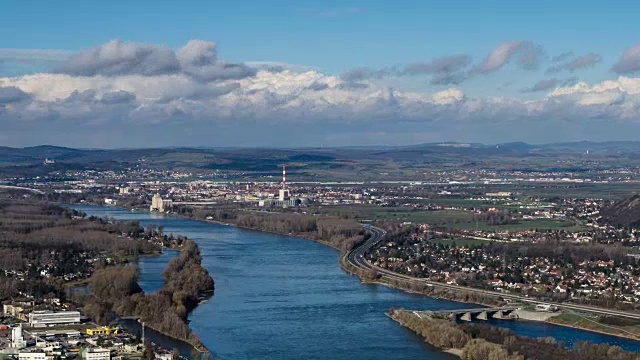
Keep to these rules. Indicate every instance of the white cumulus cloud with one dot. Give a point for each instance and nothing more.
(144, 84)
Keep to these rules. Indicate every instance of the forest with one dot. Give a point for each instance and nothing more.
(43, 245)
(342, 234)
(486, 342)
(497, 217)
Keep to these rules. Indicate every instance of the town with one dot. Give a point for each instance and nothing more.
(553, 236)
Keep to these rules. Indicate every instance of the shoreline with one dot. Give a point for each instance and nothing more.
(201, 349)
(352, 270)
(451, 351)
(347, 267)
(262, 231)
(146, 325)
(629, 337)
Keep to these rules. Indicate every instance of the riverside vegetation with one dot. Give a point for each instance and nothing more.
(485, 342)
(341, 234)
(116, 290)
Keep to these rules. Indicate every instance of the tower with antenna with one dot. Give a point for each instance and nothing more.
(283, 194)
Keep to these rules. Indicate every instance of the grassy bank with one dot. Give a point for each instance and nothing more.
(593, 324)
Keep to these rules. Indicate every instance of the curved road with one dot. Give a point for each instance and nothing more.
(357, 258)
(21, 188)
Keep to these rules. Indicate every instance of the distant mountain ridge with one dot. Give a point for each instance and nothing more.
(516, 145)
(519, 156)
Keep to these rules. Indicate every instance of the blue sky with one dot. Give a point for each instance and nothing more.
(335, 37)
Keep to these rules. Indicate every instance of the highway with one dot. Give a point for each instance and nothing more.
(357, 258)
(21, 188)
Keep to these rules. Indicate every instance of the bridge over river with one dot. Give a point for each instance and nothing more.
(504, 312)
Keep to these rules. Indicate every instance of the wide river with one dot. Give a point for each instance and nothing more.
(279, 297)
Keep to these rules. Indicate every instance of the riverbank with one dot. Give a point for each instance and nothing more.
(326, 243)
(469, 340)
(415, 287)
(460, 296)
(394, 315)
(579, 322)
(442, 334)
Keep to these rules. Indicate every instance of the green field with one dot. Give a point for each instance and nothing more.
(498, 203)
(414, 216)
(543, 224)
(593, 324)
(460, 242)
(610, 191)
(454, 219)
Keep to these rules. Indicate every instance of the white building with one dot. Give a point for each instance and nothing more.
(17, 340)
(33, 356)
(96, 354)
(49, 318)
(283, 194)
(158, 204)
(546, 307)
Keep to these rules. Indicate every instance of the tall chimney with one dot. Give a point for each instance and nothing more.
(284, 178)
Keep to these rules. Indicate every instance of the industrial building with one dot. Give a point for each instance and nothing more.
(49, 318)
(17, 339)
(104, 330)
(12, 310)
(284, 196)
(160, 205)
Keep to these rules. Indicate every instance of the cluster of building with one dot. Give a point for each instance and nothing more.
(477, 266)
(49, 335)
(99, 343)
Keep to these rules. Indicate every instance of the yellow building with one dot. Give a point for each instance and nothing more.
(104, 330)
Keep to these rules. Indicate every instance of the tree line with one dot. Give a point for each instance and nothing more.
(342, 234)
(42, 245)
(116, 290)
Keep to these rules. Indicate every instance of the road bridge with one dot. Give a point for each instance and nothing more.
(504, 312)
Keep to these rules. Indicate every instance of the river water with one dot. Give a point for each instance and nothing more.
(279, 297)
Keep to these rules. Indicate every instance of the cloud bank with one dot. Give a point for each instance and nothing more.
(454, 69)
(577, 63)
(121, 85)
(629, 62)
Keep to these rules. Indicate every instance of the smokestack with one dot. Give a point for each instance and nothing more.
(284, 178)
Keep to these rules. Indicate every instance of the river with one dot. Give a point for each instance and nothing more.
(279, 297)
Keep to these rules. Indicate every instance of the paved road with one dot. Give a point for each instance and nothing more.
(21, 188)
(357, 258)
